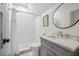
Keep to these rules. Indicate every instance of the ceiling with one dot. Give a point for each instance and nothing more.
(37, 8)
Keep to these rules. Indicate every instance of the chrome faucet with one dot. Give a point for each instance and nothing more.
(60, 34)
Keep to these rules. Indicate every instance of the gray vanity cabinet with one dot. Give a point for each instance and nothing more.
(48, 48)
(45, 52)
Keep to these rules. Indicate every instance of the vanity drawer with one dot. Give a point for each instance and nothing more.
(57, 50)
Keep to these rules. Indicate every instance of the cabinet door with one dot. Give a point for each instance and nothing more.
(50, 54)
(45, 52)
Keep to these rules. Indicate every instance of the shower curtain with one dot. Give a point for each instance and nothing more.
(22, 30)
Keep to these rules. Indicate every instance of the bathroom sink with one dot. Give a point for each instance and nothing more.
(56, 37)
(52, 36)
(63, 38)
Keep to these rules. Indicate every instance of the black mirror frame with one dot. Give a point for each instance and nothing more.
(64, 27)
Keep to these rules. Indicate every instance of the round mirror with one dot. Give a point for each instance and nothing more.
(66, 15)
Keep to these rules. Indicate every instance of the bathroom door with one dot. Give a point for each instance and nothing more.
(0, 30)
(4, 51)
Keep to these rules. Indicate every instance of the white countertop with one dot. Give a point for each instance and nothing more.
(67, 43)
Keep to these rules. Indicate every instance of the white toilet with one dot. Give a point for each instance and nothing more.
(28, 50)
